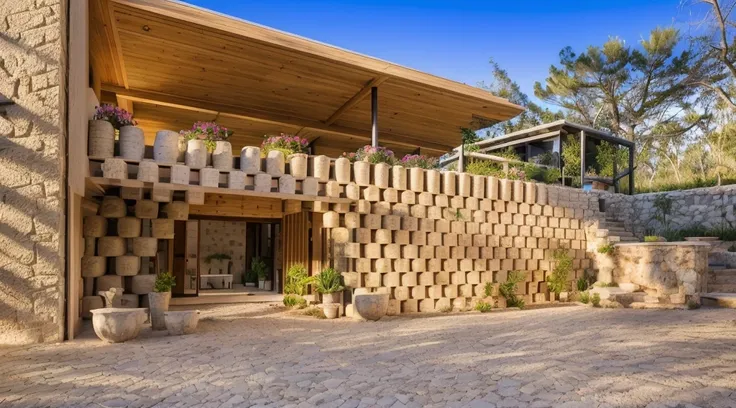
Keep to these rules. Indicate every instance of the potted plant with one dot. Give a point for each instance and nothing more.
(158, 300)
(329, 284)
(106, 120)
(294, 150)
(418, 160)
(250, 279)
(258, 267)
(196, 154)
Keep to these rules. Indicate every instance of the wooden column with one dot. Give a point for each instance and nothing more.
(582, 158)
(615, 166)
(631, 169)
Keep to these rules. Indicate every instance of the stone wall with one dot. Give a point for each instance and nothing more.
(223, 237)
(709, 207)
(32, 171)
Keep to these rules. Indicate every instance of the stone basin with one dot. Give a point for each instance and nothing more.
(370, 306)
(116, 325)
(181, 322)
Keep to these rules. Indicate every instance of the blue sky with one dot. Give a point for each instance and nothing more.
(455, 39)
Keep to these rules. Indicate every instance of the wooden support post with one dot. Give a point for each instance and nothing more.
(582, 158)
(374, 116)
(631, 170)
(461, 159)
(615, 167)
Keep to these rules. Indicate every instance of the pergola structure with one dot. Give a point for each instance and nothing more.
(172, 64)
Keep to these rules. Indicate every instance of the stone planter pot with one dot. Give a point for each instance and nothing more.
(116, 325)
(381, 175)
(321, 168)
(518, 191)
(196, 155)
(166, 146)
(342, 170)
(222, 157)
(183, 322)
(449, 183)
(370, 306)
(335, 297)
(101, 139)
(331, 310)
(398, 177)
(362, 173)
(298, 165)
(275, 163)
(433, 181)
(416, 179)
(158, 303)
(132, 143)
(250, 160)
(182, 149)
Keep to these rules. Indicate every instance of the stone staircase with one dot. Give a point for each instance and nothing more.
(616, 232)
(721, 287)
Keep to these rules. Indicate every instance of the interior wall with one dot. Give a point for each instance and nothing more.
(226, 237)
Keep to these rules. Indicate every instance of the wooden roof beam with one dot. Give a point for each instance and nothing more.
(356, 99)
(182, 102)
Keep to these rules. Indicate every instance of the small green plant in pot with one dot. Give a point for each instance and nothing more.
(158, 300)
(329, 284)
(258, 267)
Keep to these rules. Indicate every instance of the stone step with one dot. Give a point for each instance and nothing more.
(628, 239)
(716, 267)
(727, 300)
(723, 272)
(722, 287)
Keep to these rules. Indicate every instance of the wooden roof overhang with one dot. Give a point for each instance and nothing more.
(172, 64)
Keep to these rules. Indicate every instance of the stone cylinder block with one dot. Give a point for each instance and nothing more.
(166, 146)
(177, 210)
(398, 177)
(115, 169)
(518, 195)
(101, 139)
(343, 169)
(275, 163)
(263, 183)
(129, 227)
(352, 191)
(321, 168)
(505, 189)
(449, 183)
(408, 197)
(93, 266)
(209, 177)
(298, 164)
(145, 246)
(90, 303)
(236, 180)
(492, 188)
(352, 220)
(113, 207)
(530, 192)
(196, 154)
(146, 209)
(142, 284)
(310, 186)
(464, 184)
(180, 174)
(162, 228)
(250, 160)
(330, 219)
(127, 265)
(381, 175)
(130, 300)
(94, 226)
(372, 194)
(148, 171)
(362, 173)
(287, 184)
(391, 195)
(222, 157)
(90, 246)
(107, 282)
(416, 179)
(332, 189)
(479, 186)
(132, 143)
(541, 194)
(110, 246)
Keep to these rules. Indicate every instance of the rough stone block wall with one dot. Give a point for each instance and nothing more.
(223, 237)
(434, 245)
(32, 168)
(709, 207)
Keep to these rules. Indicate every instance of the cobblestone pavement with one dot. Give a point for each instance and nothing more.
(257, 355)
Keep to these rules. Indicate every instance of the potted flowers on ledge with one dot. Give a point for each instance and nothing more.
(102, 128)
(420, 161)
(258, 267)
(158, 300)
(207, 139)
(279, 149)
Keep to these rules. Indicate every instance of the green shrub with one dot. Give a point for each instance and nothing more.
(606, 249)
(488, 289)
(291, 300)
(582, 284)
(483, 307)
(164, 282)
(259, 268)
(692, 305)
(656, 238)
(508, 289)
(557, 280)
(315, 312)
(585, 297)
(328, 281)
(596, 300)
(297, 280)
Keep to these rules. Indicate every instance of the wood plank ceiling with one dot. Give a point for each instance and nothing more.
(174, 64)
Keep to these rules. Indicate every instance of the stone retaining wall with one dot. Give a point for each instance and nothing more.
(32, 169)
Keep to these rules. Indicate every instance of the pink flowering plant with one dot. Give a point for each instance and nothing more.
(352, 157)
(209, 132)
(288, 144)
(419, 160)
(118, 117)
(375, 155)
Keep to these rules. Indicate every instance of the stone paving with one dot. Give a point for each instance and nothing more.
(258, 355)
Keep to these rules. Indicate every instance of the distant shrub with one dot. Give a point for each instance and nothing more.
(585, 297)
(606, 249)
(483, 307)
(557, 280)
(418, 160)
(488, 289)
(508, 289)
(582, 284)
(291, 300)
(596, 300)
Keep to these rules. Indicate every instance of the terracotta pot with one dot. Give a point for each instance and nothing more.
(101, 139)
(132, 143)
(158, 303)
(222, 157)
(196, 155)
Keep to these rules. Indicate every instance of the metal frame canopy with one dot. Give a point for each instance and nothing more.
(173, 63)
